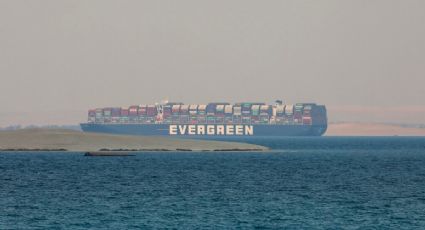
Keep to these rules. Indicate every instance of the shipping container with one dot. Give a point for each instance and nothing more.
(265, 110)
(184, 110)
(99, 113)
(219, 119)
(246, 109)
(142, 110)
(202, 119)
(202, 109)
(298, 114)
(280, 110)
(237, 111)
(184, 119)
(124, 119)
(307, 107)
(211, 119)
(237, 119)
(264, 119)
(219, 110)
(228, 120)
(91, 116)
(307, 121)
(124, 112)
(307, 110)
(289, 109)
(116, 112)
(166, 113)
(298, 109)
(106, 112)
(92, 113)
(255, 110)
(211, 109)
(246, 120)
(255, 120)
(193, 109)
(124, 115)
(133, 110)
(151, 111)
(228, 109)
(176, 109)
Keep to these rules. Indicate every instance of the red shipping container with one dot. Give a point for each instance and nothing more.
(124, 112)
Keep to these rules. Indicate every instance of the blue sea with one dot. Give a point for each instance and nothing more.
(303, 183)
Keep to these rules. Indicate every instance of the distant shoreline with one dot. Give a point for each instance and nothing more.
(372, 129)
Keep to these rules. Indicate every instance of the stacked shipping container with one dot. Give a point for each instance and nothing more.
(213, 113)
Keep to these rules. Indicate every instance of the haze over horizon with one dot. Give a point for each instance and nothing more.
(365, 60)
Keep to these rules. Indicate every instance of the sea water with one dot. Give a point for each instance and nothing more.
(303, 183)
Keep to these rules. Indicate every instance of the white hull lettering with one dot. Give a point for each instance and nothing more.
(223, 130)
(200, 130)
(192, 129)
(210, 130)
(249, 130)
(182, 129)
(239, 130)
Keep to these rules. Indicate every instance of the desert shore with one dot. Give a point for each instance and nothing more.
(371, 129)
(75, 141)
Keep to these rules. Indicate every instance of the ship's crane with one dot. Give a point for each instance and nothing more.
(160, 109)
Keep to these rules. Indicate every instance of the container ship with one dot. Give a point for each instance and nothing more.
(210, 120)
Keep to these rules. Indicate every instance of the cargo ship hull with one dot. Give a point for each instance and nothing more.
(206, 130)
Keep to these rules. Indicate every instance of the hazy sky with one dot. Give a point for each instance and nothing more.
(364, 59)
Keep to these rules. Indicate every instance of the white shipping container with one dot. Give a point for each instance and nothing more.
(237, 111)
(202, 107)
(264, 108)
(289, 109)
(307, 107)
(280, 108)
(219, 108)
(184, 107)
(228, 109)
(176, 108)
(255, 107)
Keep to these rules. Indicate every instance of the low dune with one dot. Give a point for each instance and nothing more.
(69, 140)
(372, 129)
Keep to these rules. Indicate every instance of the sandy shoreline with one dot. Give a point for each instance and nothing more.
(75, 141)
(371, 129)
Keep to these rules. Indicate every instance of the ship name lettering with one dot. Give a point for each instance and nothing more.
(249, 130)
(201, 130)
(239, 130)
(228, 130)
(182, 129)
(220, 129)
(210, 130)
(192, 129)
(173, 130)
